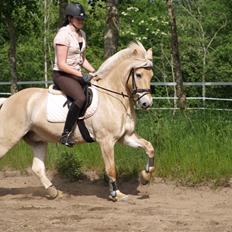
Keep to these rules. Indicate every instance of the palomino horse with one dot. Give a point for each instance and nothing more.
(122, 81)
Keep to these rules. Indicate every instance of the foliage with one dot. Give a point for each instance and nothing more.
(149, 30)
(69, 165)
(94, 28)
(205, 43)
(17, 18)
(204, 29)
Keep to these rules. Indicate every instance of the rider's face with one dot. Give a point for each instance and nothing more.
(78, 23)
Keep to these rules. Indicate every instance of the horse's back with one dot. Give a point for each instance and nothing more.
(25, 95)
(21, 103)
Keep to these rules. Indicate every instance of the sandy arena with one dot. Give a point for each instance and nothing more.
(84, 207)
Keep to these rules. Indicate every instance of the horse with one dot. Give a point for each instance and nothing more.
(122, 81)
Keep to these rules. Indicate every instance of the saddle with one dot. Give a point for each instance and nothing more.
(88, 95)
(58, 105)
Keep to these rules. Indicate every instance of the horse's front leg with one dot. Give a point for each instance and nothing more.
(107, 149)
(134, 140)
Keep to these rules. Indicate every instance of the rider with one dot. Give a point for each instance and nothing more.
(70, 45)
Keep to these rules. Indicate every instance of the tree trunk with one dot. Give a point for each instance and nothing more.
(112, 29)
(62, 5)
(176, 57)
(12, 54)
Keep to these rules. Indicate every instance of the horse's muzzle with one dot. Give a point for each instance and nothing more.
(145, 101)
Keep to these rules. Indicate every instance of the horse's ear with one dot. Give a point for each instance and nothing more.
(135, 52)
(149, 54)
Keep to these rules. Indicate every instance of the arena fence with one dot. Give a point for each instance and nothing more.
(172, 98)
(203, 98)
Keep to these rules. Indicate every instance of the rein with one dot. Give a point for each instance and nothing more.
(134, 91)
(111, 91)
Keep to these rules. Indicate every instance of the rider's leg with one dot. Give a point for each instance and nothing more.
(72, 116)
(72, 88)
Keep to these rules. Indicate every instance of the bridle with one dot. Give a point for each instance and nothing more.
(134, 91)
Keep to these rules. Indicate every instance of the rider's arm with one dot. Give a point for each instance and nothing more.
(61, 52)
(88, 66)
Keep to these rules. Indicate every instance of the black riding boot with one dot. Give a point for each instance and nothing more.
(72, 116)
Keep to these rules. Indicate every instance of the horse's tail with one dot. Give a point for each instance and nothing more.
(2, 100)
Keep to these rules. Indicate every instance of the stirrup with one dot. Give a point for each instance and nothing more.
(65, 139)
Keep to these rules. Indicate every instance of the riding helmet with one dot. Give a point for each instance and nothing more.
(76, 10)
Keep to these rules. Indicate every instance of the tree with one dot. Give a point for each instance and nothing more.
(204, 39)
(176, 57)
(205, 30)
(112, 29)
(8, 11)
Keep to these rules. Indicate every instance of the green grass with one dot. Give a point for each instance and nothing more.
(195, 147)
(19, 157)
(191, 148)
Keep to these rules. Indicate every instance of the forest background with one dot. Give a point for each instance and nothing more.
(204, 34)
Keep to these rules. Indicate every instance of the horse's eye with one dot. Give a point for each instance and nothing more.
(138, 75)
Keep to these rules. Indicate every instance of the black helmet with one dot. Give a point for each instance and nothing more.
(76, 10)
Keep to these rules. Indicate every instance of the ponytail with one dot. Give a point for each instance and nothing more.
(66, 21)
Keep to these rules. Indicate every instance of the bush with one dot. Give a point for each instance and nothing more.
(69, 165)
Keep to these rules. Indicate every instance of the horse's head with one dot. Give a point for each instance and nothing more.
(139, 79)
(134, 66)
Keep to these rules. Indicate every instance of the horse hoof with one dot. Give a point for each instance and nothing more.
(53, 192)
(144, 177)
(119, 197)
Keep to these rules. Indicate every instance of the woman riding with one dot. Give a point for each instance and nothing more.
(70, 45)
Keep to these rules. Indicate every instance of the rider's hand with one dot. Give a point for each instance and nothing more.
(87, 78)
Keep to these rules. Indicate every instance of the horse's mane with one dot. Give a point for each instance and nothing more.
(140, 59)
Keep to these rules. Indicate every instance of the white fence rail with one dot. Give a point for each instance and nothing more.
(170, 84)
(195, 84)
(7, 83)
(203, 98)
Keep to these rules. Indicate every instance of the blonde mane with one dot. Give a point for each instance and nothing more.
(135, 49)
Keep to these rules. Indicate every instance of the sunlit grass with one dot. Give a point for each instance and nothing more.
(196, 147)
(191, 147)
(19, 157)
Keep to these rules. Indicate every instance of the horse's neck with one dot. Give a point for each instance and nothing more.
(116, 82)
(113, 82)
(116, 79)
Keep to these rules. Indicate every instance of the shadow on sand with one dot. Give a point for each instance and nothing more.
(83, 187)
(99, 188)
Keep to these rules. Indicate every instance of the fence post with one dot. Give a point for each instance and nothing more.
(203, 93)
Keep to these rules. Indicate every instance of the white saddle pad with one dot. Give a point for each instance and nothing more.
(57, 112)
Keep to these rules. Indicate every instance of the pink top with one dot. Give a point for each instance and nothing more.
(69, 37)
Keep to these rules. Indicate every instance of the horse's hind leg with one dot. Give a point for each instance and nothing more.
(38, 167)
(12, 128)
(8, 138)
(4, 149)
